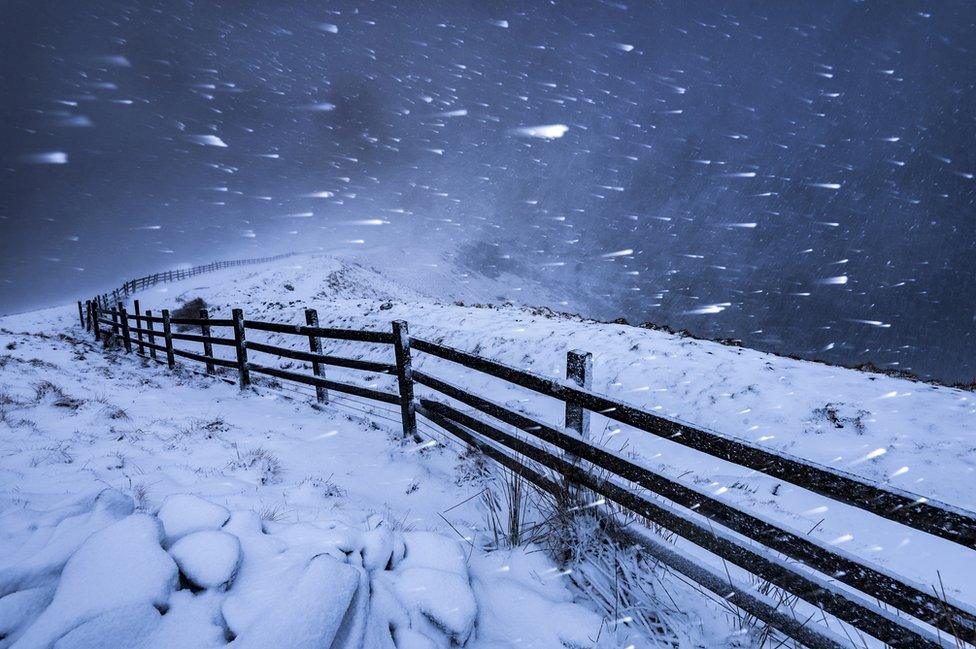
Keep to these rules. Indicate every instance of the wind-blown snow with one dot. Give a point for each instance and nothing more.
(298, 482)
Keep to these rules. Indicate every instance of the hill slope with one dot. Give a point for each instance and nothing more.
(914, 436)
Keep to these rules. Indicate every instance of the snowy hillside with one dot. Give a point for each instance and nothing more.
(289, 494)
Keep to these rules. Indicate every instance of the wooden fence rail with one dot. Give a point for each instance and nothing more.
(112, 298)
(559, 458)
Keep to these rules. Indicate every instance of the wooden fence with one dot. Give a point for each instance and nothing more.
(107, 300)
(551, 455)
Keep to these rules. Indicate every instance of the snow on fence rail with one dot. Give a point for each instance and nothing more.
(876, 601)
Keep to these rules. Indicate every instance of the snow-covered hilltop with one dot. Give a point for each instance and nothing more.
(300, 492)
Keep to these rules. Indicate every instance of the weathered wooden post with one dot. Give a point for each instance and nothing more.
(401, 344)
(241, 347)
(92, 315)
(168, 335)
(115, 321)
(96, 329)
(315, 346)
(126, 338)
(579, 370)
(139, 327)
(207, 345)
(151, 334)
(81, 314)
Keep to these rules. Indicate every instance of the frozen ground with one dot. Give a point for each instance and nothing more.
(294, 477)
(314, 531)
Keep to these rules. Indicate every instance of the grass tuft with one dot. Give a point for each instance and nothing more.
(261, 461)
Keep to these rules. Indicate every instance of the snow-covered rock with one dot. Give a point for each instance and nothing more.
(267, 579)
(46, 552)
(438, 597)
(120, 566)
(185, 513)
(309, 614)
(208, 559)
(19, 609)
(431, 550)
(432, 582)
(126, 626)
(302, 585)
(377, 550)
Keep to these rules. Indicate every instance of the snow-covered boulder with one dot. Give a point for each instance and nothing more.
(432, 550)
(265, 580)
(120, 566)
(432, 583)
(46, 552)
(288, 585)
(208, 559)
(19, 609)
(185, 513)
(127, 626)
(439, 597)
(377, 549)
(311, 614)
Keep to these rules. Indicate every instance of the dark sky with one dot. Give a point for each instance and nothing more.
(799, 175)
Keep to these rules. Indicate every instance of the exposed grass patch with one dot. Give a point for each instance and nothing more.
(272, 513)
(59, 453)
(327, 487)
(189, 309)
(260, 461)
(48, 391)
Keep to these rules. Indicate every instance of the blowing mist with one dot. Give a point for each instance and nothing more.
(797, 178)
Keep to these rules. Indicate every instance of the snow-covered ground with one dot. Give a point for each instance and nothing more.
(317, 509)
(299, 483)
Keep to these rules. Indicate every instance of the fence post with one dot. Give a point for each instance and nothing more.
(168, 335)
(115, 321)
(96, 329)
(579, 370)
(207, 345)
(139, 327)
(241, 346)
(81, 314)
(401, 344)
(315, 346)
(126, 338)
(152, 336)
